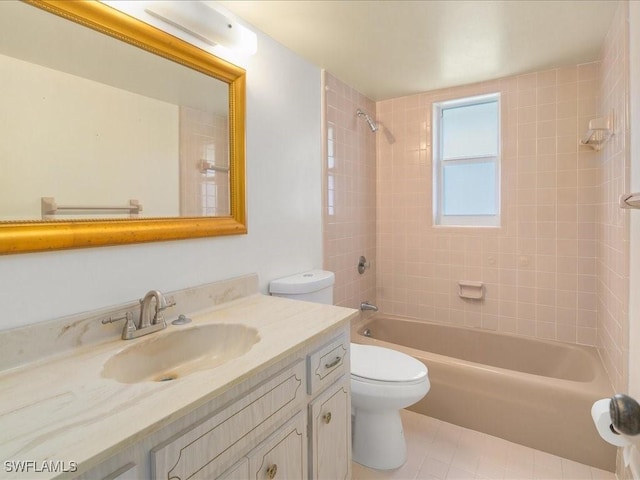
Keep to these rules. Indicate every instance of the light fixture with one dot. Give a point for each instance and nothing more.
(198, 19)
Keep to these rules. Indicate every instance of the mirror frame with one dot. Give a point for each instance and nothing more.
(34, 236)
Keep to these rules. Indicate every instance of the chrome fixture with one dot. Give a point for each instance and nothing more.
(372, 125)
(49, 209)
(366, 332)
(629, 200)
(599, 132)
(207, 166)
(181, 320)
(149, 321)
(625, 414)
(146, 320)
(363, 265)
(368, 306)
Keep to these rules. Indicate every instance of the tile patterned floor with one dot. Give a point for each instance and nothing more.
(442, 451)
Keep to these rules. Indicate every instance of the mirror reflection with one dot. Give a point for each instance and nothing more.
(92, 125)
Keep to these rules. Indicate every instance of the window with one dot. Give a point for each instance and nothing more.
(466, 163)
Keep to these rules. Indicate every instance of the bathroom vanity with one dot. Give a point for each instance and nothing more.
(280, 409)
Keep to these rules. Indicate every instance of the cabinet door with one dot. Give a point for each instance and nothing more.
(128, 472)
(211, 446)
(330, 438)
(240, 471)
(283, 455)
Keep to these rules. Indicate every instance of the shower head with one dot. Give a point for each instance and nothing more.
(372, 125)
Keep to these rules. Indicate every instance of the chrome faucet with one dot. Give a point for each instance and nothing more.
(150, 320)
(146, 320)
(368, 306)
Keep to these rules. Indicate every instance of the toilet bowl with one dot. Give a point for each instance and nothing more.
(383, 381)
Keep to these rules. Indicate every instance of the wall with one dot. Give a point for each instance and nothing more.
(634, 284)
(204, 137)
(633, 354)
(349, 196)
(613, 224)
(539, 267)
(284, 214)
(70, 163)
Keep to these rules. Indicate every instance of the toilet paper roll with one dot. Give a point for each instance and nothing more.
(602, 421)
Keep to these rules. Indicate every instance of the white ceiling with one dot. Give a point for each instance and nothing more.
(387, 49)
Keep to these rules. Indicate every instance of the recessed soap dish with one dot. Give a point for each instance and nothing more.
(470, 289)
(599, 132)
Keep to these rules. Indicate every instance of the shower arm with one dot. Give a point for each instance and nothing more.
(372, 124)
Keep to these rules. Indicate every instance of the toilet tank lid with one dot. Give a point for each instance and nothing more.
(305, 282)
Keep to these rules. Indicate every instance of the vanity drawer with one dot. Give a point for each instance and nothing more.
(327, 364)
(207, 448)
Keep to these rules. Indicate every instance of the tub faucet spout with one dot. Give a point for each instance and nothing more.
(368, 306)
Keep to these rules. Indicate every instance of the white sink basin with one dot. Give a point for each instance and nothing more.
(164, 356)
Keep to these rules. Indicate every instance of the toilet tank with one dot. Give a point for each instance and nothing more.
(312, 286)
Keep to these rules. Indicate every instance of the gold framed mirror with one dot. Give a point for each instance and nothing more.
(29, 235)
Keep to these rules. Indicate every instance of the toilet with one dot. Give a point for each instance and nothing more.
(383, 381)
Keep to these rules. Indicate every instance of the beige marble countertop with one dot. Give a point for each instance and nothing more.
(62, 408)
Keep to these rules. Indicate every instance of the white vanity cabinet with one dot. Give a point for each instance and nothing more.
(284, 454)
(207, 448)
(128, 472)
(289, 421)
(330, 411)
(240, 471)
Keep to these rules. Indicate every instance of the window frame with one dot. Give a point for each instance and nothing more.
(480, 220)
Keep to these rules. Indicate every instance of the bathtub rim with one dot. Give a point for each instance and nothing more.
(598, 383)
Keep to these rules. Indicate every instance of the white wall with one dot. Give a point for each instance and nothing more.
(284, 214)
(90, 156)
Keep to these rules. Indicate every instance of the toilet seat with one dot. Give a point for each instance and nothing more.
(374, 364)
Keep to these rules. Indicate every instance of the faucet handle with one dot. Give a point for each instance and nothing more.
(129, 327)
(128, 316)
(166, 302)
(363, 264)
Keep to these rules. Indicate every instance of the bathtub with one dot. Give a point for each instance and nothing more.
(533, 392)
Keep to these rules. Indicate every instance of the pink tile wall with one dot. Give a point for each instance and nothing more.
(203, 137)
(613, 225)
(557, 268)
(539, 267)
(349, 193)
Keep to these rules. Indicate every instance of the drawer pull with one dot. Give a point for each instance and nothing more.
(327, 417)
(333, 362)
(271, 471)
